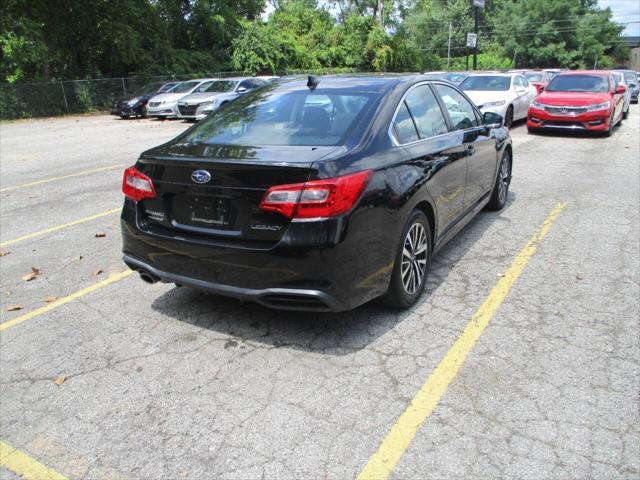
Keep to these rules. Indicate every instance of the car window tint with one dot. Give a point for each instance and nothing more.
(403, 127)
(426, 112)
(460, 111)
(265, 117)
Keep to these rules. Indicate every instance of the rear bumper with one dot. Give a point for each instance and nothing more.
(321, 266)
(589, 121)
(280, 298)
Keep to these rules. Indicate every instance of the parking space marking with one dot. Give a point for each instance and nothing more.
(25, 466)
(61, 301)
(384, 460)
(58, 227)
(62, 177)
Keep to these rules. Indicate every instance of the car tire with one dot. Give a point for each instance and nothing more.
(500, 191)
(508, 118)
(532, 130)
(404, 290)
(143, 111)
(124, 117)
(609, 132)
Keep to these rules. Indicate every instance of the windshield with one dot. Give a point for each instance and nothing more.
(267, 117)
(533, 77)
(221, 86)
(579, 83)
(203, 88)
(456, 77)
(148, 88)
(185, 87)
(492, 83)
(168, 87)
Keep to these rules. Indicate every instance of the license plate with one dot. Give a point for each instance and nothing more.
(203, 211)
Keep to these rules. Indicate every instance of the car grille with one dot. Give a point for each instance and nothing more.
(187, 109)
(154, 104)
(565, 110)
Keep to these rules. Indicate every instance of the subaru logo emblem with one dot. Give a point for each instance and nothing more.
(201, 176)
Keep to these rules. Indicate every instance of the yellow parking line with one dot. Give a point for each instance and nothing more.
(58, 227)
(384, 460)
(61, 301)
(53, 179)
(25, 466)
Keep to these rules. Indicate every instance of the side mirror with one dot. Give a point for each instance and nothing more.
(241, 89)
(620, 89)
(492, 119)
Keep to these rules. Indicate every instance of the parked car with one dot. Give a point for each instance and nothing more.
(508, 94)
(203, 101)
(268, 78)
(585, 100)
(135, 105)
(454, 77)
(537, 78)
(619, 79)
(632, 83)
(165, 105)
(316, 194)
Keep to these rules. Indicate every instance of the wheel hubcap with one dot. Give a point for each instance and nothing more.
(503, 181)
(414, 258)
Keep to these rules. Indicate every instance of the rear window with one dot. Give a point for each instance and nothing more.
(486, 83)
(266, 117)
(579, 83)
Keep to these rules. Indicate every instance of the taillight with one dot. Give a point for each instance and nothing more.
(317, 198)
(136, 185)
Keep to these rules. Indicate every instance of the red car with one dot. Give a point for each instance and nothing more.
(578, 100)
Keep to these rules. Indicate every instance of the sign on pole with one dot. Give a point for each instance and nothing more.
(472, 39)
(478, 3)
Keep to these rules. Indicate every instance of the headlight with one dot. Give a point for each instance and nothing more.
(498, 103)
(133, 101)
(598, 106)
(538, 105)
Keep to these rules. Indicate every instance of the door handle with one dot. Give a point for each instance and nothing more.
(470, 150)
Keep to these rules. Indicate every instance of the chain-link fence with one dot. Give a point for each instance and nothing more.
(44, 99)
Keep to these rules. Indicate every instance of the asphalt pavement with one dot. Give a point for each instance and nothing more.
(103, 376)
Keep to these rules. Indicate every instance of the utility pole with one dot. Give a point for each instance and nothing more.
(595, 64)
(477, 5)
(449, 47)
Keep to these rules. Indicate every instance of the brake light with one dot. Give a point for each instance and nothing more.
(136, 185)
(317, 198)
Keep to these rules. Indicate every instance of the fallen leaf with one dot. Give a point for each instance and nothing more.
(97, 272)
(101, 235)
(13, 308)
(30, 276)
(59, 380)
(3, 253)
(50, 298)
(579, 276)
(80, 258)
(500, 274)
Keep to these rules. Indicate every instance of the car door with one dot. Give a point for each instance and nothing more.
(520, 93)
(478, 143)
(420, 127)
(530, 95)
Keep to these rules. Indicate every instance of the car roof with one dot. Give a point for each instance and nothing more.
(374, 83)
(603, 73)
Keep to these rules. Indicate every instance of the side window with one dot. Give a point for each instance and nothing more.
(246, 84)
(403, 126)
(460, 111)
(426, 112)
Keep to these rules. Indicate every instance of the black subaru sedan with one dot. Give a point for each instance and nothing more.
(316, 193)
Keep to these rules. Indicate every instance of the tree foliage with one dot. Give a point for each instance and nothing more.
(75, 39)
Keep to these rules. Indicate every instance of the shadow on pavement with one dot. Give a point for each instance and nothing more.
(322, 333)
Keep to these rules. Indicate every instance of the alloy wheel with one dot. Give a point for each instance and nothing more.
(503, 180)
(414, 258)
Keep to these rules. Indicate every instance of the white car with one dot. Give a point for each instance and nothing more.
(508, 94)
(211, 96)
(165, 105)
(619, 78)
